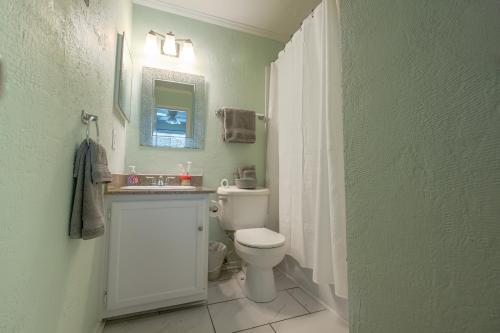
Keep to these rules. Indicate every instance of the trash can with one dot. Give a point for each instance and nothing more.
(216, 254)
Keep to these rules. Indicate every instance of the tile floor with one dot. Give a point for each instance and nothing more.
(228, 311)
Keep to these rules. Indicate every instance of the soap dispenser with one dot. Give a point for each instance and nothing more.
(185, 176)
(132, 178)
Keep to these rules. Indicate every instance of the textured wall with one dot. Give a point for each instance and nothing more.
(422, 130)
(233, 64)
(58, 58)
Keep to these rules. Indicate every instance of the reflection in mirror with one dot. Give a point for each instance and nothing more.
(172, 109)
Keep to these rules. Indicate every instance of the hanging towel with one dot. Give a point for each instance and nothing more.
(90, 172)
(99, 165)
(239, 126)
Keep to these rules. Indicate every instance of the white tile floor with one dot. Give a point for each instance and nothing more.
(228, 311)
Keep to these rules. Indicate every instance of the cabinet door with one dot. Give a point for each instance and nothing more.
(157, 253)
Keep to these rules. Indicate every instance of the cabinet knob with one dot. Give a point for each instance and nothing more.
(200, 228)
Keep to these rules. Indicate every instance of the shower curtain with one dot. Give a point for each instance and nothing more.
(305, 147)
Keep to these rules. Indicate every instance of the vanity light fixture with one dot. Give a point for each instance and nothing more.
(151, 45)
(187, 53)
(169, 45)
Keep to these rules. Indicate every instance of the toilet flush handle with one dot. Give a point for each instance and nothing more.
(215, 209)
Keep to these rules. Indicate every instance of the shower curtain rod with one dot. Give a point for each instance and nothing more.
(300, 27)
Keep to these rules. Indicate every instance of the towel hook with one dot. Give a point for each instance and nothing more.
(86, 119)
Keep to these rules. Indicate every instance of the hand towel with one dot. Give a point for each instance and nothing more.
(239, 126)
(99, 164)
(90, 172)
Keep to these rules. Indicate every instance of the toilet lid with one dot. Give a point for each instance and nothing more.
(261, 238)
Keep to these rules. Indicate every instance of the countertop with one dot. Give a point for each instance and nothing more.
(116, 190)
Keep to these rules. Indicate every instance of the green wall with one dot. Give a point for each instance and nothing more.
(57, 59)
(233, 64)
(422, 132)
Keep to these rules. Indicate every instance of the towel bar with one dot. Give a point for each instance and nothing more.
(259, 116)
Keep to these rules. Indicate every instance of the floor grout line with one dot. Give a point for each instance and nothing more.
(211, 320)
(233, 299)
(296, 299)
(229, 300)
(253, 327)
(279, 321)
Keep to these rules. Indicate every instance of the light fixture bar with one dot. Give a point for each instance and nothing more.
(171, 46)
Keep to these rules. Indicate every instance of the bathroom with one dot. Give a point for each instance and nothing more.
(358, 191)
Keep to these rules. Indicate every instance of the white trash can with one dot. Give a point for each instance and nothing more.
(216, 254)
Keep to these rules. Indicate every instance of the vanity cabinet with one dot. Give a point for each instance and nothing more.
(157, 248)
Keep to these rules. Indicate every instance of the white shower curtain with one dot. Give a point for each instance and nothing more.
(305, 147)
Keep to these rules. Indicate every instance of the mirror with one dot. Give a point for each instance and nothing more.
(172, 113)
(123, 77)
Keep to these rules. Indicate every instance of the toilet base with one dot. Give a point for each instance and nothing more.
(259, 284)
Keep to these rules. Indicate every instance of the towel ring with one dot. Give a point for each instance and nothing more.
(86, 119)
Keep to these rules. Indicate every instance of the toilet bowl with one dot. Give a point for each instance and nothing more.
(245, 213)
(261, 249)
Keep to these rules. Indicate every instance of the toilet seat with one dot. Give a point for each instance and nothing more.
(260, 238)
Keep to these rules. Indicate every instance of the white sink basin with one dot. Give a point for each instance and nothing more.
(160, 188)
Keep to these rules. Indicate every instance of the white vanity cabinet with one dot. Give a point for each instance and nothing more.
(156, 253)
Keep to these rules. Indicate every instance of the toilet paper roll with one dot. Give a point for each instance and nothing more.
(214, 209)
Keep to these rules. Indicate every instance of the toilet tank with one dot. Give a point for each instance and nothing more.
(242, 209)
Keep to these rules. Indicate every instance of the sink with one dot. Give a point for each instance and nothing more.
(160, 188)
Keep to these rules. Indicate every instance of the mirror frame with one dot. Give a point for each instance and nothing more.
(149, 76)
(123, 54)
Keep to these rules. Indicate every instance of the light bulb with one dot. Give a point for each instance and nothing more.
(187, 51)
(151, 45)
(169, 46)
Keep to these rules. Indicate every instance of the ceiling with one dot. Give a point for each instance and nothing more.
(276, 19)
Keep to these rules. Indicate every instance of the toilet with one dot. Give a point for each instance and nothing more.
(245, 213)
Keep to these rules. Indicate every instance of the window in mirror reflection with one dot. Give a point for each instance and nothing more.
(173, 113)
(171, 122)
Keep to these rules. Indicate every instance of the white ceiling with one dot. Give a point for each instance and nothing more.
(276, 19)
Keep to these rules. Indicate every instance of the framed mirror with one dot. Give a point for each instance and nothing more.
(173, 114)
(123, 77)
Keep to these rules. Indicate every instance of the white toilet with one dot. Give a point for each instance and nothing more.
(245, 212)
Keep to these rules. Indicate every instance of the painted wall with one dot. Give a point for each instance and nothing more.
(57, 59)
(233, 64)
(422, 133)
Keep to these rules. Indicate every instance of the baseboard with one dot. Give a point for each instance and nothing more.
(326, 306)
(99, 327)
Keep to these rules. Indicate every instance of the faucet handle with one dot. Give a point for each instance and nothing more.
(169, 180)
(152, 180)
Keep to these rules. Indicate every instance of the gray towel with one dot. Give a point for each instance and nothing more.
(90, 172)
(239, 126)
(247, 171)
(99, 165)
